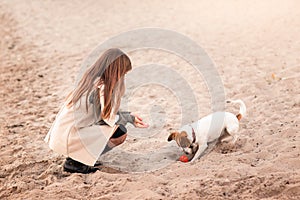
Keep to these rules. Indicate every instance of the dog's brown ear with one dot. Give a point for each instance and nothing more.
(172, 136)
(183, 140)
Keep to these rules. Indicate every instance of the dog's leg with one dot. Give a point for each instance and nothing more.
(235, 137)
(227, 138)
(233, 134)
(201, 149)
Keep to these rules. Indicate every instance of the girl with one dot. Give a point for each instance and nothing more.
(89, 124)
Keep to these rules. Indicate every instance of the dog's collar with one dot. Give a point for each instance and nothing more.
(193, 134)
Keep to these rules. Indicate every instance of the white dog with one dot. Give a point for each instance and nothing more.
(193, 138)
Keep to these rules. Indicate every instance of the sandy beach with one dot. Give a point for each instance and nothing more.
(254, 46)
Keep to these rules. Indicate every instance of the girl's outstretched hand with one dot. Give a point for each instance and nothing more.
(138, 121)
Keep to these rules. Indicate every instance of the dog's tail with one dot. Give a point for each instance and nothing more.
(242, 112)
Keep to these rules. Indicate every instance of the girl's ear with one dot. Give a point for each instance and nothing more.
(172, 136)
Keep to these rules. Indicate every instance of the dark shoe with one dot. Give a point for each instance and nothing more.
(98, 163)
(74, 166)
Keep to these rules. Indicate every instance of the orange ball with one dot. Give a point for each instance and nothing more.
(184, 158)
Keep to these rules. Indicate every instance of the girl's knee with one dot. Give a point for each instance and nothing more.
(123, 138)
(119, 140)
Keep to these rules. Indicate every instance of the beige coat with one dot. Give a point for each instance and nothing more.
(75, 134)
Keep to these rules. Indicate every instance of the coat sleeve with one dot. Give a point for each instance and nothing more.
(124, 118)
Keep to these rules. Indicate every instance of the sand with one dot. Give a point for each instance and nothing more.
(255, 46)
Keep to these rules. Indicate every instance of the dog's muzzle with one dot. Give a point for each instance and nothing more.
(191, 149)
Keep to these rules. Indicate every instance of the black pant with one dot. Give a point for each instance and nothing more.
(121, 130)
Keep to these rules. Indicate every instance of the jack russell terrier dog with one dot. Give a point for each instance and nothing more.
(193, 138)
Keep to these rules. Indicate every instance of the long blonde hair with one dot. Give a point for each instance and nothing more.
(108, 70)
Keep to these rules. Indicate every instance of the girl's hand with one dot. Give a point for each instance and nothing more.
(138, 121)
